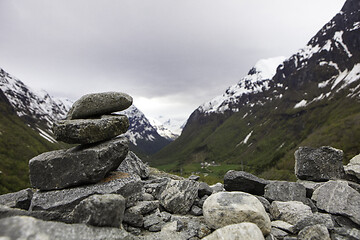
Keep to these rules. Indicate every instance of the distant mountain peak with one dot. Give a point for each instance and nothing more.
(256, 81)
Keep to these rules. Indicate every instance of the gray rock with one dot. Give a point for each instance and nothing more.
(341, 221)
(148, 197)
(96, 104)
(22, 227)
(346, 234)
(291, 211)
(314, 232)
(200, 202)
(319, 164)
(241, 231)
(310, 186)
(283, 226)
(225, 208)
(194, 178)
(6, 211)
(100, 210)
(217, 187)
(144, 207)
(178, 196)
(84, 131)
(204, 189)
(264, 202)
(65, 200)
(76, 166)
(20, 199)
(134, 220)
(353, 168)
(337, 197)
(245, 182)
(278, 233)
(191, 227)
(133, 164)
(196, 211)
(285, 191)
(316, 218)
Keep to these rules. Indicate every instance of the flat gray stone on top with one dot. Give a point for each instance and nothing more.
(23, 227)
(78, 165)
(95, 104)
(84, 131)
(65, 200)
(319, 164)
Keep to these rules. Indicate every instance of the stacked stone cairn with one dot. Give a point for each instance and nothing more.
(135, 201)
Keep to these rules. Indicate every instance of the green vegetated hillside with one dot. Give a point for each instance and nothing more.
(260, 130)
(18, 144)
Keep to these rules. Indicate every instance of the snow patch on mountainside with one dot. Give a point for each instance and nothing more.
(162, 129)
(256, 81)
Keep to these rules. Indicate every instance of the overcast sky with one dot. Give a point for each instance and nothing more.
(170, 55)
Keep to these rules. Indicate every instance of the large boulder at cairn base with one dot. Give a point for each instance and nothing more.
(101, 210)
(179, 195)
(85, 131)
(225, 208)
(96, 104)
(337, 197)
(320, 164)
(78, 165)
(241, 231)
(244, 182)
(21, 227)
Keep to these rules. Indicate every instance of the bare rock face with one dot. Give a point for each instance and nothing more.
(96, 104)
(85, 131)
(225, 208)
(78, 165)
(242, 231)
(337, 197)
(179, 195)
(100, 210)
(319, 164)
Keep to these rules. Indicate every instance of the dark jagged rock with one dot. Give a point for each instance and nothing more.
(245, 182)
(204, 189)
(22, 227)
(20, 199)
(179, 196)
(76, 166)
(285, 191)
(96, 104)
(132, 164)
(319, 164)
(85, 131)
(65, 200)
(100, 210)
(337, 197)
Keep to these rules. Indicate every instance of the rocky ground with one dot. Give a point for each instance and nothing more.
(100, 190)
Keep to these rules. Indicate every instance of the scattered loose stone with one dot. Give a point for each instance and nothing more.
(285, 191)
(20, 199)
(291, 211)
(194, 178)
(85, 131)
(310, 186)
(346, 233)
(320, 164)
(337, 197)
(22, 227)
(353, 168)
(316, 218)
(225, 208)
(241, 231)
(100, 210)
(178, 196)
(278, 233)
(96, 104)
(245, 182)
(315, 232)
(196, 211)
(204, 189)
(132, 164)
(76, 166)
(218, 187)
(283, 226)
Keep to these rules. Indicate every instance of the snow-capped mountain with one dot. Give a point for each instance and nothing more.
(256, 81)
(312, 99)
(168, 128)
(143, 136)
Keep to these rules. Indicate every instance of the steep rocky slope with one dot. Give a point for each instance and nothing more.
(313, 99)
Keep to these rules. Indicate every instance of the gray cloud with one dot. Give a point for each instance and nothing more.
(185, 52)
